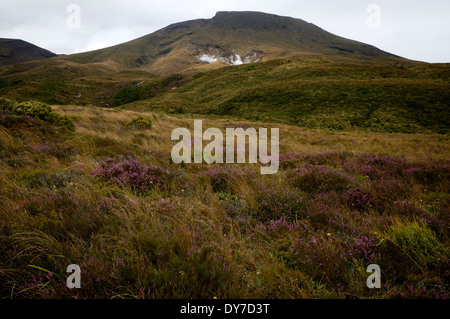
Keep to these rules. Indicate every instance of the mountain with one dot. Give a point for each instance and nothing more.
(232, 38)
(306, 77)
(14, 51)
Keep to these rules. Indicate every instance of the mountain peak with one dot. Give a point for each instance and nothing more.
(232, 37)
(247, 14)
(253, 20)
(240, 14)
(16, 51)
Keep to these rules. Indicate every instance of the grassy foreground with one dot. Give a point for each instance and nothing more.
(106, 196)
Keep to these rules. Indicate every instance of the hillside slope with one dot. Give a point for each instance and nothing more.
(14, 51)
(318, 93)
(313, 93)
(232, 38)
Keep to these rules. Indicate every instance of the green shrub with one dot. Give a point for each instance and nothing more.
(66, 122)
(128, 95)
(140, 123)
(418, 241)
(5, 105)
(36, 110)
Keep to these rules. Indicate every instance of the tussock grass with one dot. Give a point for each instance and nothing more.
(221, 231)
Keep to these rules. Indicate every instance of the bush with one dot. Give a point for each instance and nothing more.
(418, 241)
(321, 258)
(129, 95)
(64, 212)
(218, 178)
(359, 199)
(145, 91)
(130, 173)
(140, 123)
(10, 121)
(430, 174)
(321, 179)
(379, 195)
(278, 202)
(290, 160)
(36, 110)
(56, 149)
(5, 105)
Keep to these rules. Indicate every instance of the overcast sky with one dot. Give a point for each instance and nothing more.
(415, 29)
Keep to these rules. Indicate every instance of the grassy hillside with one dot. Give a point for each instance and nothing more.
(64, 82)
(318, 93)
(105, 195)
(311, 93)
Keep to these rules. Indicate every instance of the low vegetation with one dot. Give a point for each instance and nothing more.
(33, 110)
(143, 91)
(109, 199)
(315, 93)
(319, 93)
(140, 123)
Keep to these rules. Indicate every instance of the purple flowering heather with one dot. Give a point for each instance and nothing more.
(130, 173)
(278, 202)
(56, 149)
(318, 179)
(365, 250)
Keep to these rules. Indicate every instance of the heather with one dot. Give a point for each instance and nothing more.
(108, 197)
(130, 173)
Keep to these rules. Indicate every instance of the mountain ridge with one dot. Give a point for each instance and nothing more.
(14, 51)
(232, 37)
